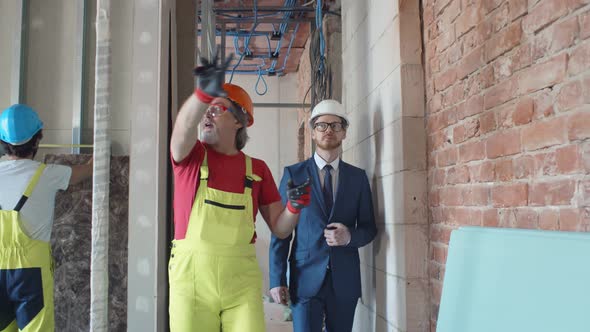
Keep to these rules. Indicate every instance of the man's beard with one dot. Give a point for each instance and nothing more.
(210, 137)
(329, 146)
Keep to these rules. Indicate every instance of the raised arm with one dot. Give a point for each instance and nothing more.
(210, 81)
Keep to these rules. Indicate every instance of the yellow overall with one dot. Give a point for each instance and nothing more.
(26, 273)
(215, 281)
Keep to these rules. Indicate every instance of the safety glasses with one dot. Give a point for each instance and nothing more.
(216, 110)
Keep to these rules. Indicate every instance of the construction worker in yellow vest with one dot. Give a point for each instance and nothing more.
(27, 201)
(215, 281)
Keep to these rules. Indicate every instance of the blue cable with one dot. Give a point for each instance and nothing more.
(260, 77)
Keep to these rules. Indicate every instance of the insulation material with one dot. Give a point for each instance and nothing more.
(515, 280)
(100, 192)
(71, 245)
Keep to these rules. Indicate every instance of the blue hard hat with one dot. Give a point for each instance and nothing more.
(18, 124)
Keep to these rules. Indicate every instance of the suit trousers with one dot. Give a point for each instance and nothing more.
(338, 312)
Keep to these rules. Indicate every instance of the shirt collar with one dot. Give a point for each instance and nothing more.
(320, 162)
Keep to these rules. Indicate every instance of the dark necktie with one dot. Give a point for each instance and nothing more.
(328, 194)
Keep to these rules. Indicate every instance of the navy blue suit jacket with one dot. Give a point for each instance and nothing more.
(310, 254)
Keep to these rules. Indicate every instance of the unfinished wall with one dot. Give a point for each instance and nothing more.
(8, 19)
(49, 68)
(508, 118)
(383, 94)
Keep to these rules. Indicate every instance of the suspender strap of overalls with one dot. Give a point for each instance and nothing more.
(30, 188)
(248, 181)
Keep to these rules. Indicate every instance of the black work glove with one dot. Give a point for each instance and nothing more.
(299, 196)
(211, 76)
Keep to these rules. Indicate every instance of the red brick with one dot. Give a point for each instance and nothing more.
(558, 192)
(436, 214)
(465, 217)
(580, 59)
(549, 220)
(439, 177)
(503, 41)
(469, 18)
(517, 8)
(441, 120)
(500, 18)
(438, 141)
(457, 174)
(440, 233)
(490, 218)
(454, 95)
(445, 39)
(585, 148)
(470, 63)
(440, 5)
(564, 34)
(575, 4)
(434, 198)
(477, 37)
(578, 126)
(568, 159)
(515, 194)
(483, 172)
(507, 218)
(523, 113)
(570, 95)
(465, 130)
(472, 151)
(487, 123)
(490, 5)
(544, 14)
(445, 79)
(472, 106)
(524, 167)
(544, 104)
(428, 15)
(546, 163)
(500, 93)
(585, 191)
(502, 68)
(502, 144)
(451, 12)
(522, 57)
(504, 116)
(585, 25)
(527, 218)
(570, 219)
(476, 195)
(439, 253)
(543, 75)
(503, 170)
(544, 134)
(436, 103)
(446, 157)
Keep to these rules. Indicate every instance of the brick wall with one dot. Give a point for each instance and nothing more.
(508, 118)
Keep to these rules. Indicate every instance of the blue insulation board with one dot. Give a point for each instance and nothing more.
(513, 280)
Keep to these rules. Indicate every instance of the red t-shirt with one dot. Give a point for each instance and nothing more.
(226, 173)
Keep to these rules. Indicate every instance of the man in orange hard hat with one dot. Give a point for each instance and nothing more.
(215, 281)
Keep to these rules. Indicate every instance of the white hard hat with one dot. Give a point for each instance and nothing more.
(328, 107)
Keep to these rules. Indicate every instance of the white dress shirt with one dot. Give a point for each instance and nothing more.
(320, 163)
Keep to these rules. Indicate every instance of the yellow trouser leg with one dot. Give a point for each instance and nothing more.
(194, 304)
(44, 320)
(242, 309)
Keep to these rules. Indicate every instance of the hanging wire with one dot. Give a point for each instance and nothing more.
(261, 78)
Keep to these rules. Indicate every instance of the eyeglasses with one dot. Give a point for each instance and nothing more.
(216, 110)
(323, 126)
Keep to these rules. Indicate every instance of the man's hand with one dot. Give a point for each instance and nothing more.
(299, 196)
(337, 234)
(280, 294)
(211, 76)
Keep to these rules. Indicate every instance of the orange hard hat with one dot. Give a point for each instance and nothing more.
(240, 97)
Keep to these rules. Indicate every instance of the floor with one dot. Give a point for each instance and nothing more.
(274, 316)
